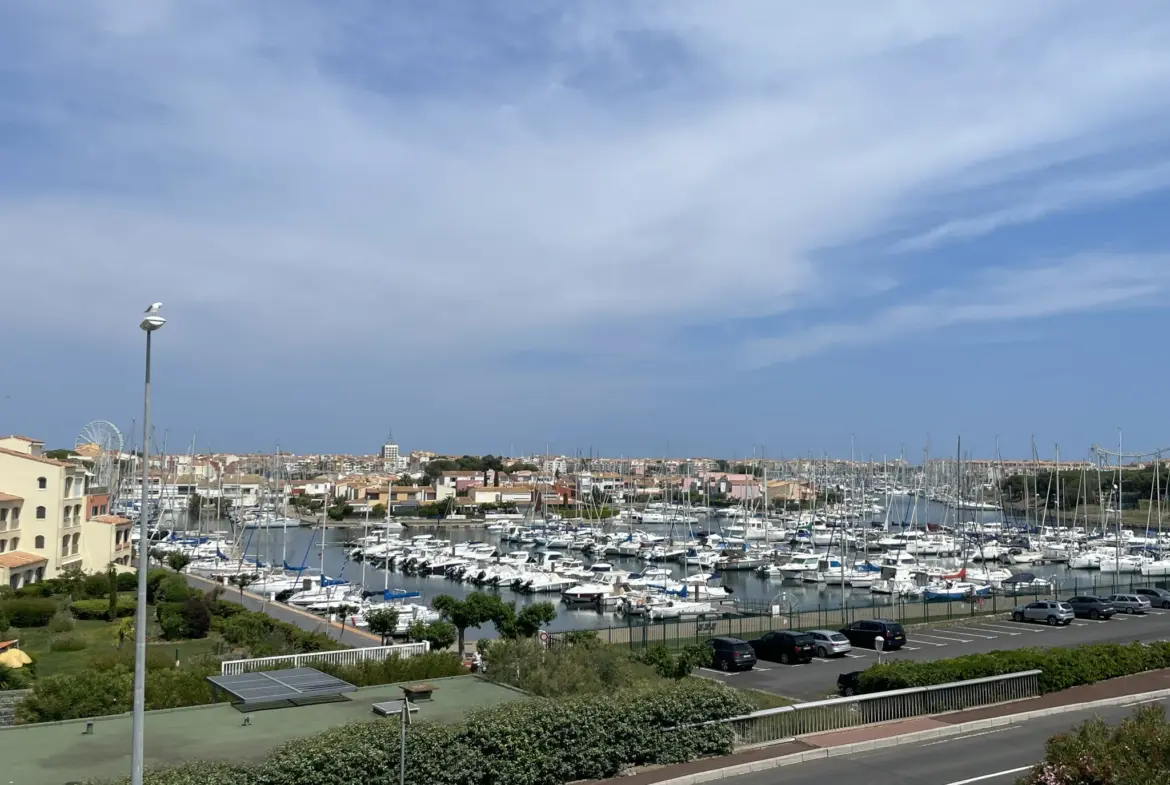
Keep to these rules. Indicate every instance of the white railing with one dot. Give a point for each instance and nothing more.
(771, 726)
(339, 657)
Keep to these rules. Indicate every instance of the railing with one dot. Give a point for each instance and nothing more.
(750, 619)
(340, 657)
(775, 725)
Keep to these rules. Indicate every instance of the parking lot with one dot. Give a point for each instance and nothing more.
(818, 678)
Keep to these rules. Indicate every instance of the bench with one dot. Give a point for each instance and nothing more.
(418, 692)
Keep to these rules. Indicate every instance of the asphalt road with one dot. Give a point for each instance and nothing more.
(818, 678)
(994, 756)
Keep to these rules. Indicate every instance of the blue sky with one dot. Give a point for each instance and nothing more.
(657, 228)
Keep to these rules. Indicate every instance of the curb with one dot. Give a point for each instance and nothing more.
(897, 741)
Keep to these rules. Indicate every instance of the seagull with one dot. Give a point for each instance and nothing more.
(153, 308)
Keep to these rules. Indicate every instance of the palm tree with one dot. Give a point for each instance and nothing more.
(243, 580)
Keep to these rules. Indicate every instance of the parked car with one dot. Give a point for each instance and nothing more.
(1159, 598)
(1130, 603)
(830, 643)
(849, 683)
(731, 654)
(1091, 607)
(786, 646)
(862, 633)
(1052, 612)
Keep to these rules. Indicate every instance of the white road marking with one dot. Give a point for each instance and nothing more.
(855, 656)
(969, 736)
(1017, 629)
(982, 777)
(910, 648)
(975, 632)
(951, 638)
(761, 668)
(721, 673)
(928, 643)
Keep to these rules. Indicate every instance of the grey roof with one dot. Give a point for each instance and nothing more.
(291, 685)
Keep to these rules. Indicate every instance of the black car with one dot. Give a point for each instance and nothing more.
(785, 646)
(731, 654)
(863, 633)
(849, 683)
(1159, 598)
(1091, 607)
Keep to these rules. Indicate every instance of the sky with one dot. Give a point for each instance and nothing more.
(671, 227)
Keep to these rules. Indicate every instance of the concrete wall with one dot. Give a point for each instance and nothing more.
(8, 701)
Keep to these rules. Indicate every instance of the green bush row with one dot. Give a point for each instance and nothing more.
(28, 611)
(531, 742)
(1061, 668)
(261, 635)
(100, 609)
(432, 665)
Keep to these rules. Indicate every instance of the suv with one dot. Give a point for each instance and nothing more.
(1052, 612)
(1130, 603)
(1159, 598)
(849, 683)
(731, 654)
(1092, 607)
(787, 647)
(862, 633)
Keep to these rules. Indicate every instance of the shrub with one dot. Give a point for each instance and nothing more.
(14, 678)
(671, 665)
(128, 581)
(61, 622)
(171, 620)
(4, 623)
(153, 579)
(440, 634)
(173, 588)
(1133, 752)
(100, 609)
(95, 586)
(565, 670)
(67, 642)
(28, 611)
(432, 665)
(1061, 668)
(196, 616)
(96, 692)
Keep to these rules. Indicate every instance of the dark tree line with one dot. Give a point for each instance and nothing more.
(1136, 484)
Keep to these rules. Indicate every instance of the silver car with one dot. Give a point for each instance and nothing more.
(830, 643)
(1052, 612)
(1130, 603)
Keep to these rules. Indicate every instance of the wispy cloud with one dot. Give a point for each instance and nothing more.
(996, 296)
(1045, 200)
(316, 171)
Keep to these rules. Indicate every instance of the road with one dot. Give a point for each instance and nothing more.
(995, 756)
(818, 678)
(277, 610)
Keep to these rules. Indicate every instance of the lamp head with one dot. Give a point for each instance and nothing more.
(152, 322)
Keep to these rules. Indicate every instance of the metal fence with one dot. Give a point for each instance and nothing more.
(772, 726)
(340, 657)
(752, 618)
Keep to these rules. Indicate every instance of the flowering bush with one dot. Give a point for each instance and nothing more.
(1136, 751)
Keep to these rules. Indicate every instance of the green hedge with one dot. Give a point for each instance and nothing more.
(432, 665)
(28, 611)
(96, 693)
(1061, 667)
(262, 635)
(531, 742)
(100, 609)
(1135, 751)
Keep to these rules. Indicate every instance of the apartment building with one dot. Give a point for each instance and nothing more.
(45, 521)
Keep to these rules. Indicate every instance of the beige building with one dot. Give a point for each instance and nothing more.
(45, 522)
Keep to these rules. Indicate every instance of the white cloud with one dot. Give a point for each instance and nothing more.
(372, 170)
(1080, 284)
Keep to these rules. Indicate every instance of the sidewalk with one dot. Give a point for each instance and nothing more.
(1114, 688)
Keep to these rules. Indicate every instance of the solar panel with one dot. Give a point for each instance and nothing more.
(292, 685)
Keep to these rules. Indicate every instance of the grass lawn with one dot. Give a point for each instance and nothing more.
(764, 700)
(101, 638)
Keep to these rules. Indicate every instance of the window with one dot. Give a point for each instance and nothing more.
(3, 543)
(15, 542)
(76, 541)
(3, 514)
(39, 542)
(40, 513)
(42, 483)
(65, 545)
(93, 513)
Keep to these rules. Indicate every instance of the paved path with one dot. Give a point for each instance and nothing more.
(819, 677)
(278, 610)
(937, 762)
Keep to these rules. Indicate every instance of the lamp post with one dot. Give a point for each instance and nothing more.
(151, 321)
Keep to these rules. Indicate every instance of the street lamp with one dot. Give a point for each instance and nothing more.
(151, 321)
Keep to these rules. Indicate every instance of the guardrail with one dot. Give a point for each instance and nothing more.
(772, 726)
(339, 657)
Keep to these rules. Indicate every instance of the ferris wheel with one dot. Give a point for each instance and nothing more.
(102, 442)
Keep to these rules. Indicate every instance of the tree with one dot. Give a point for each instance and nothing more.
(440, 634)
(125, 630)
(471, 611)
(527, 622)
(112, 578)
(378, 510)
(383, 622)
(196, 617)
(722, 465)
(343, 611)
(177, 560)
(60, 455)
(243, 580)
